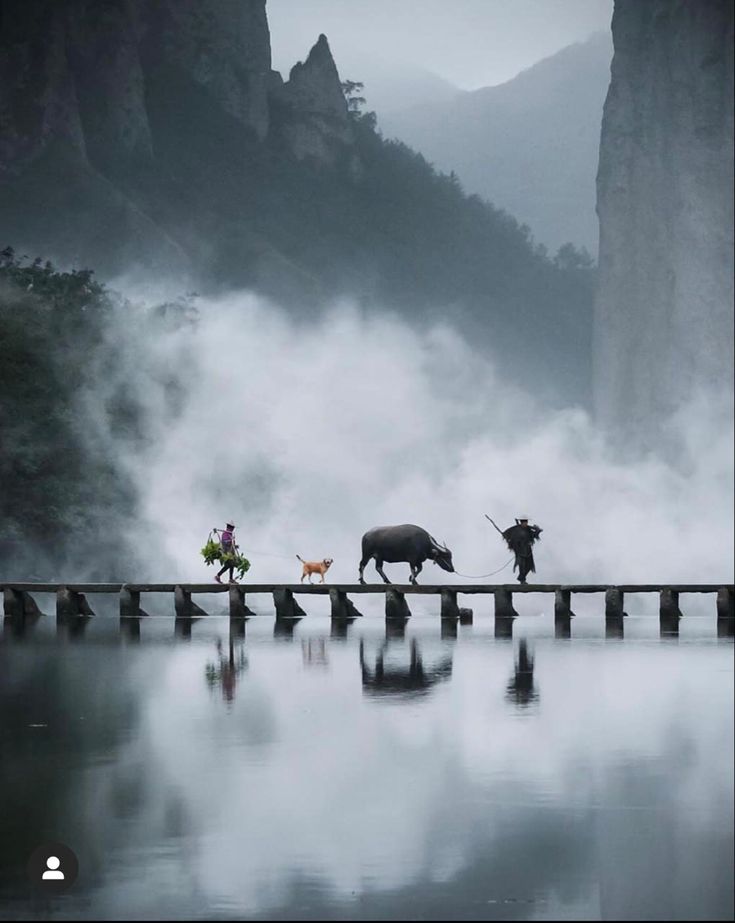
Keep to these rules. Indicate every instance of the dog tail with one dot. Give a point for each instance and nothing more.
(300, 558)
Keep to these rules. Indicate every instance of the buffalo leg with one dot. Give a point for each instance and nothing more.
(379, 569)
(415, 571)
(362, 568)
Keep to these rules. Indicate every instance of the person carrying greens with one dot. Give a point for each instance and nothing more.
(229, 550)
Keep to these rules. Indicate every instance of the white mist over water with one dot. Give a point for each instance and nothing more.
(308, 434)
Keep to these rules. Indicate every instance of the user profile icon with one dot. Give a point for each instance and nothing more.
(52, 872)
(52, 867)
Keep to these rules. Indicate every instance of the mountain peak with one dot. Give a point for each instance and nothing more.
(313, 111)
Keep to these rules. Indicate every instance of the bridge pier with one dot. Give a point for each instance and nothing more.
(725, 603)
(342, 605)
(504, 604)
(238, 608)
(504, 613)
(19, 604)
(563, 604)
(449, 607)
(563, 613)
(614, 601)
(396, 606)
(185, 607)
(725, 613)
(70, 604)
(130, 604)
(286, 605)
(669, 612)
(614, 614)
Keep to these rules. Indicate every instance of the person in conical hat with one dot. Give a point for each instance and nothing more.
(520, 539)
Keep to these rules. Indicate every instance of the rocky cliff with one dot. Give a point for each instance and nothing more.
(664, 311)
(77, 71)
(94, 97)
(153, 139)
(313, 110)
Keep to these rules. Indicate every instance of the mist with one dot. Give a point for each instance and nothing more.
(306, 434)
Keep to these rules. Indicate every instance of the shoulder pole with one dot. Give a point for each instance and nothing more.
(495, 524)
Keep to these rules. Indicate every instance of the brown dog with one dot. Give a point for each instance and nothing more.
(314, 567)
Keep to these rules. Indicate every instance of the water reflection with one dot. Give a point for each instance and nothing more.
(224, 672)
(402, 680)
(18, 626)
(283, 627)
(504, 626)
(314, 652)
(237, 626)
(339, 627)
(614, 627)
(183, 626)
(396, 628)
(521, 690)
(72, 627)
(130, 629)
(449, 628)
(563, 627)
(726, 628)
(445, 805)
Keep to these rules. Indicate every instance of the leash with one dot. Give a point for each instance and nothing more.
(288, 557)
(482, 576)
(266, 554)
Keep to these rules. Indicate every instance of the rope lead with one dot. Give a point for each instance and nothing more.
(482, 576)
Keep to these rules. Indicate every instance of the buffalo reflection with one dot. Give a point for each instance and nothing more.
(521, 690)
(225, 671)
(402, 680)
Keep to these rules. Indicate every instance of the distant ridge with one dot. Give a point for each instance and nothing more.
(529, 145)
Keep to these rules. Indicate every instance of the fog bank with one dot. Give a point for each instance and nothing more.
(306, 435)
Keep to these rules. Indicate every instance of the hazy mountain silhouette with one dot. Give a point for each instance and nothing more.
(393, 86)
(529, 145)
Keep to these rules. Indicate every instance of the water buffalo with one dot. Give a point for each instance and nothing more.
(408, 543)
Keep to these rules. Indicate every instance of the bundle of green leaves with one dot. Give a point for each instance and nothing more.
(213, 553)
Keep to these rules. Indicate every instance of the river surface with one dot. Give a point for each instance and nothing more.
(295, 771)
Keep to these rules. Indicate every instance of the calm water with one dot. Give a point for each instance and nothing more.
(270, 774)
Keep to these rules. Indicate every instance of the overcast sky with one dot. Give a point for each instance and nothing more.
(470, 43)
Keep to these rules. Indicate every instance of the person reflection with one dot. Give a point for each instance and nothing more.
(402, 680)
(225, 671)
(521, 690)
